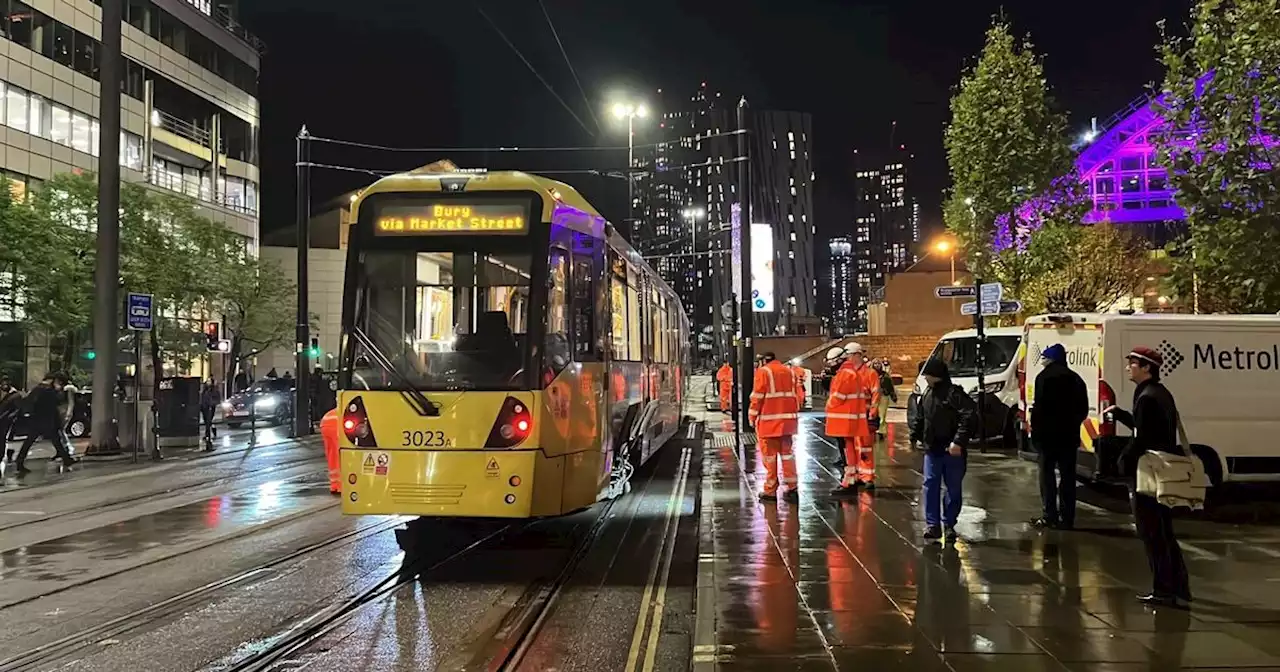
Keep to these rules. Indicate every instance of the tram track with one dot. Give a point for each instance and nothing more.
(47, 655)
(308, 630)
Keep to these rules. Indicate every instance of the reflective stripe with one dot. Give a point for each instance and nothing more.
(788, 457)
(779, 416)
(847, 416)
(757, 395)
(780, 395)
(769, 374)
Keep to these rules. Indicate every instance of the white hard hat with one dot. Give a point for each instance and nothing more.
(835, 353)
(853, 349)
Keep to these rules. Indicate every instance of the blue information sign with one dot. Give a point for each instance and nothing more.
(138, 316)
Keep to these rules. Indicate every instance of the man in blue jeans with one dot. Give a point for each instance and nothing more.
(942, 424)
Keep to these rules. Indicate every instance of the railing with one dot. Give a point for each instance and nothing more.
(201, 191)
(231, 25)
(183, 129)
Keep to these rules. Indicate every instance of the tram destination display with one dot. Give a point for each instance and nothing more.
(454, 217)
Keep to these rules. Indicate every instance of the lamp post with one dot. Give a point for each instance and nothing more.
(630, 112)
(948, 248)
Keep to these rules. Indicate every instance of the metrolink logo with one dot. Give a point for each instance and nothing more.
(1075, 356)
(1236, 359)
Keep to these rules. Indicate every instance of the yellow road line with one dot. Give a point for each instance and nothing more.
(637, 636)
(659, 606)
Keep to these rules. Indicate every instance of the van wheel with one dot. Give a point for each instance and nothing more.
(1212, 466)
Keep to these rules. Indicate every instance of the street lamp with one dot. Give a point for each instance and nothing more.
(945, 246)
(630, 112)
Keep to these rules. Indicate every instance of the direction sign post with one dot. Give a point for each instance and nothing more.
(139, 318)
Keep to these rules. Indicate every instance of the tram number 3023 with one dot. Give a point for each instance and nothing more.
(427, 439)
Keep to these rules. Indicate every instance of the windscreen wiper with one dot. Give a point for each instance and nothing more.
(417, 400)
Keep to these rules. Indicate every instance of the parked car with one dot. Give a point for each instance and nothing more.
(77, 427)
(270, 400)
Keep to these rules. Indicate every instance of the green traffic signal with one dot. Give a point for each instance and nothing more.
(91, 355)
(314, 353)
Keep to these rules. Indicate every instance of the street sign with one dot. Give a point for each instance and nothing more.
(1010, 306)
(991, 291)
(138, 316)
(954, 291)
(992, 308)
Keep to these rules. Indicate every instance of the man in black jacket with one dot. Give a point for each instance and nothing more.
(10, 401)
(1061, 404)
(942, 424)
(45, 421)
(1154, 421)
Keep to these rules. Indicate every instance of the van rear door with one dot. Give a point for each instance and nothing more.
(1083, 343)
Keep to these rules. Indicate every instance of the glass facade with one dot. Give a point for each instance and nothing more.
(25, 111)
(22, 24)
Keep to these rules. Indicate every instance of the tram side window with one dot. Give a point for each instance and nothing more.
(659, 329)
(558, 352)
(618, 293)
(633, 317)
(581, 279)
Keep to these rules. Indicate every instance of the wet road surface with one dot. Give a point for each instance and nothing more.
(852, 585)
(204, 565)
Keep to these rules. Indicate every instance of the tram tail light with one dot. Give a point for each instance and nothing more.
(355, 424)
(513, 426)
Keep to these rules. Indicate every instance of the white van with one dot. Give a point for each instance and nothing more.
(1223, 371)
(959, 351)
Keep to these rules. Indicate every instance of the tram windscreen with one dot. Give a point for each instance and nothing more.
(442, 320)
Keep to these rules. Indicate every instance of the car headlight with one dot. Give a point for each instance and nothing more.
(268, 402)
(993, 388)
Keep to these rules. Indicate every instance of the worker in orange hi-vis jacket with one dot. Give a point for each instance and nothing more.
(725, 378)
(775, 415)
(849, 405)
(798, 372)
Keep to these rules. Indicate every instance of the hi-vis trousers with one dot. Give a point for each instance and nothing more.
(773, 451)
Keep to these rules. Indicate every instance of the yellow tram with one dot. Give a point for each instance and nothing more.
(505, 352)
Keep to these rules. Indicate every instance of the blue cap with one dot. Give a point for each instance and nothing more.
(1055, 353)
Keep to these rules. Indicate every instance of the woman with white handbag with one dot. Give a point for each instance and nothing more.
(1154, 421)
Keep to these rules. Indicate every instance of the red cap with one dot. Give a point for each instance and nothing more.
(1146, 354)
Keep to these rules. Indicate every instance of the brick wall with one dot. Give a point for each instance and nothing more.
(904, 352)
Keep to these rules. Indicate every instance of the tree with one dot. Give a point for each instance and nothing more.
(1103, 264)
(260, 304)
(1221, 104)
(167, 249)
(1005, 145)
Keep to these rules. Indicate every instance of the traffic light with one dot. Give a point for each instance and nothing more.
(314, 351)
(91, 355)
(212, 335)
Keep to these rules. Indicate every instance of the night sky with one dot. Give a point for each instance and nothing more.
(412, 73)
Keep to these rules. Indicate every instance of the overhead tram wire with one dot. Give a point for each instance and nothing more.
(619, 174)
(443, 150)
(532, 69)
(555, 33)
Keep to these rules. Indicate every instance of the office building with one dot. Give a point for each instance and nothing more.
(686, 210)
(189, 110)
(841, 270)
(886, 231)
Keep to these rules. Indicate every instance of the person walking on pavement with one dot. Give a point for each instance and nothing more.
(1060, 406)
(850, 405)
(210, 397)
(942, 425)
(887, 394)
(45, 422)
(10, 408)
(724, 378)
(1154, 421)
(774, 414)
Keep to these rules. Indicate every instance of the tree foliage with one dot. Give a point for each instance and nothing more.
(1102, 264)
(260, 303)
(1221, 102)
(194, 268)
(1005, 145)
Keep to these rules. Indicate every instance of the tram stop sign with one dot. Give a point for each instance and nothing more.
(138, 315)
